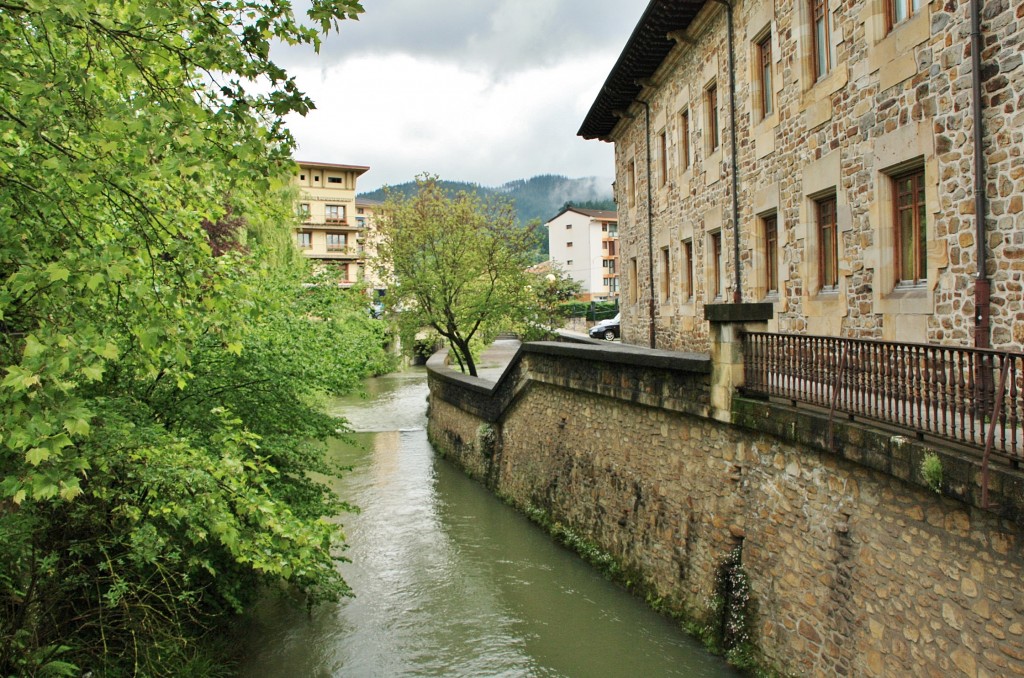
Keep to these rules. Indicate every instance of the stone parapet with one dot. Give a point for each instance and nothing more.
(856, 566)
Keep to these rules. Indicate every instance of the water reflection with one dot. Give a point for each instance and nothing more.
(451, 582)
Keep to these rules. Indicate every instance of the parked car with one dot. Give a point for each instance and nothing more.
(606, 329)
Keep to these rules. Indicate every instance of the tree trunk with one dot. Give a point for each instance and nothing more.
(462, 348)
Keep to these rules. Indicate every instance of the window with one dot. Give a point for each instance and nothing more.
(568, 244)
(361, 222)
(663, 157)
(304, 240)
(686, 250)
(360, 210)
(568, 262)
(613, 230)
(304, 210)
(716, 265)
(711, 102)
(344, 271)
(911, 228)
(334, 180)
(302, 177)
(568, 226)
(821, 38)
(828, 243)
(631, 183)
(613, 286)
(900, 10)
(666, 275)
(764, 59)
(684, 140)
(316, 177)
(336, 241)
(633, 290)
(771, 254)
(335, 213)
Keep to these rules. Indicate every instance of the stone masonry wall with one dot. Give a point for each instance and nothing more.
(895, 98)
(854, 571)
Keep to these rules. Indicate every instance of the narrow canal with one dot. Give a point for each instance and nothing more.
(450, 581)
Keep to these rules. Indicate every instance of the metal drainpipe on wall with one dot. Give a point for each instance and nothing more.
(982, 327)
(650, 217)
(737, 293)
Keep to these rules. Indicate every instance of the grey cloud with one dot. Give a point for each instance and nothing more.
(498, 36)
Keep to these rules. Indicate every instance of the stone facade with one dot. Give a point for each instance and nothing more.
(856, 567)
(893, 105)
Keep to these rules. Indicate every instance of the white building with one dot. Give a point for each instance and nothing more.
(585, 244)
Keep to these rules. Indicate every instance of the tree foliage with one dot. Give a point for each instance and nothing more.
(157, 402)
(458, 264)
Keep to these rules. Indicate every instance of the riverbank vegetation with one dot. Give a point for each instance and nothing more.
(457, 265)
(163, 352)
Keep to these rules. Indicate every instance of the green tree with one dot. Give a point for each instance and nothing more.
(458, 265)
(553, 289)
(157, 402)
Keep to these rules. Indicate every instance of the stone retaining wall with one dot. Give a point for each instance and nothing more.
(856, 567)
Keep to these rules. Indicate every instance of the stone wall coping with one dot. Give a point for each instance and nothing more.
(625, 354)
(737, 313)
(438, 364)
(489, 399)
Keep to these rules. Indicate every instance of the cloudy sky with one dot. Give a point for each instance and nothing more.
(471, 90)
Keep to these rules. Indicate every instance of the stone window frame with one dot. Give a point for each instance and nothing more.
(685, 141)
(663, 165)
(665, 275)
(766, 35)
(816, 90)
(631, 182)
(768, 226)
(919, 214)
(687, 291)
(891, 48)
(826, 221)
(891, 8)
(712, 119)
(822, 178)
(714, 267)
(903, 149)
(766, 203)
(634, 292)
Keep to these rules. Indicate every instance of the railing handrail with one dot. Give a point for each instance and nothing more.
(884, 342)
(948, 392)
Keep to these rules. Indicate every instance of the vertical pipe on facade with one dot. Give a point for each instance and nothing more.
(982, 330)
(737, 294)
(650, 219)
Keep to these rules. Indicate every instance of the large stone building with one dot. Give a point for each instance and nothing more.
(334, 227)
(584, 244)
(829, 149)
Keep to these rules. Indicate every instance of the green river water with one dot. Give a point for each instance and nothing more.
(450, 581)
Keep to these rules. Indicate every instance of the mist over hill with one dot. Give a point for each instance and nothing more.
(540, 197)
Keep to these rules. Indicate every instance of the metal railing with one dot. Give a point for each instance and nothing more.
(965, 395)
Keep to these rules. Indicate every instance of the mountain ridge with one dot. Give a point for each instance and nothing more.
(538, 197)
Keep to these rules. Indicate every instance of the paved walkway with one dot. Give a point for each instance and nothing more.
(496, 357)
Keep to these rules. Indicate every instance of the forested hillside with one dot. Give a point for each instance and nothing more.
(539, 197)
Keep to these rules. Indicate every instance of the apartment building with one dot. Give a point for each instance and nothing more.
(332, 227)
(821, 157)
(584, 244)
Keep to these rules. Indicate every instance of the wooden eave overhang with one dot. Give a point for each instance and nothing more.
(358, 169)
(648, 46)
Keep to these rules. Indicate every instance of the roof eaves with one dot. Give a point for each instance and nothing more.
(646, 49)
